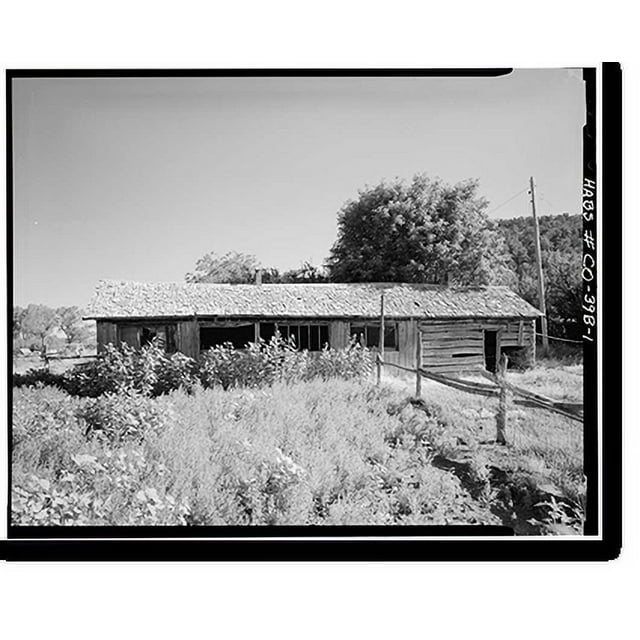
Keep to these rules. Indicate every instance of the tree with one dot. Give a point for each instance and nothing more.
(233, 268)
(71, 323)
(305, 274)
(38, 323)
(560, 241)
(426, 231)
(18, 335)
(564, 296)
(18, 319)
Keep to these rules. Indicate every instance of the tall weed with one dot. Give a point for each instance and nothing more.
(317, 452)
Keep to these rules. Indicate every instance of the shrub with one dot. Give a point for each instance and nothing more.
(261, 363)
(151, 372)
(127, 415)
(103, 489)
(148, 371)
(353, 362)
(265, 363)
(177, 371)
(45, 427)
(116, 369)
(38, 377)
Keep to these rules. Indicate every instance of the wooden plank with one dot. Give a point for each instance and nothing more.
(224, 323)
(449, 328)
(448, 355)
(502, 413)
(407, 339)
(510, 342)
(188, 338)
(450, 368)
(483, 390)
(418, 365)
(488, 323)
(452, 349)
(106, 333)
(452, 336)
(451, 344)
(478, 386)
(446, 360)
(450, 332)
(338, 334)
(468, 326)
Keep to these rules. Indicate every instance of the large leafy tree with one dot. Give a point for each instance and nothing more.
(424, 231)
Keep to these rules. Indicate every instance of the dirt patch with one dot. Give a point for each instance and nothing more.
(496, 476)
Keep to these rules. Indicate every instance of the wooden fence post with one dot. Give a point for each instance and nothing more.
(378, 369)
(418, 364)
(381, 340)
(501, 415)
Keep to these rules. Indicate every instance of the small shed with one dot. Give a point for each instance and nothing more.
(462, 328)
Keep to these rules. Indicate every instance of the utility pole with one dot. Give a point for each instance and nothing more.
(541, 297)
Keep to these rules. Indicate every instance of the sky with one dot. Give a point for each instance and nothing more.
(135, 179)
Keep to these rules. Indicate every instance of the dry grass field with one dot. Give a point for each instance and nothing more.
(544, 449)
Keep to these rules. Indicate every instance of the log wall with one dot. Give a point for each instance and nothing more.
(454, 345)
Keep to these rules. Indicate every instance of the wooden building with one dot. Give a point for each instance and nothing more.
(462, 328)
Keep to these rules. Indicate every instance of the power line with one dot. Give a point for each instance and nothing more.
(507, 201)
(561, 339)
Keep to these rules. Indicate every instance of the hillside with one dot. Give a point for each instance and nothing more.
(560, 241)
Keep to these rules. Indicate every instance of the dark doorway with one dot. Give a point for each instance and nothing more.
(490, 350)
(238, 336)
(267, 330)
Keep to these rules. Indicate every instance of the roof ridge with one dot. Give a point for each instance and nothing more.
(422, 285)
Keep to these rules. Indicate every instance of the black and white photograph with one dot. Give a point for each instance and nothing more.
(289, 305)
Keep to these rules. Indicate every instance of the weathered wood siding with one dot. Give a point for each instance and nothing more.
(338, 334)
(448, 345)
(106, 333)
(406, 353)
(188, 338)
(454, 345)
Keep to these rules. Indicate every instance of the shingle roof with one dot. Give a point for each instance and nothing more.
(115, 299)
